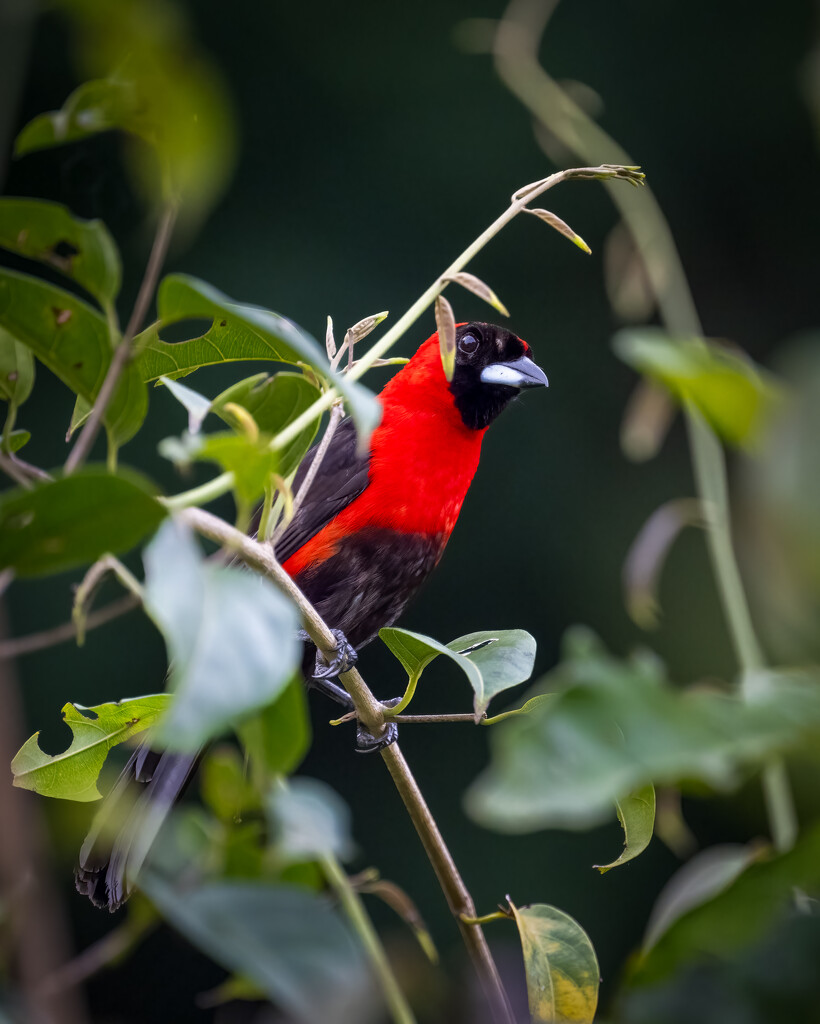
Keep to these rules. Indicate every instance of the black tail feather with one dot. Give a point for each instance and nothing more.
(114, 850)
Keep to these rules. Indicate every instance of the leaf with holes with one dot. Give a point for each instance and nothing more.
(560, 964)
(237, 333)
(73, 774)
(636, 813)
(72, 339)
(231, 638)
(81, 249)
(64, 523)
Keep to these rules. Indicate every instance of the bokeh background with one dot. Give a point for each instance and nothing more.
(373, 146)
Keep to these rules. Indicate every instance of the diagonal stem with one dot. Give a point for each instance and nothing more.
(371, 712)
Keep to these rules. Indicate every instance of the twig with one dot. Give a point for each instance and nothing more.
(67, 630)
(336, 414)
(82, 447)
(13, 470)
(371, 713)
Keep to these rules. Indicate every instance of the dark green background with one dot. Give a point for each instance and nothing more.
(372, 151)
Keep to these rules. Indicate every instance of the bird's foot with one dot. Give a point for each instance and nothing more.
(343, 660)
(367, 743)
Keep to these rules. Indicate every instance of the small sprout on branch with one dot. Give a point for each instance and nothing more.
(330, 341)
(446, 325)
(246, 423)
(560, 226)
(478, 287)
(354, 334)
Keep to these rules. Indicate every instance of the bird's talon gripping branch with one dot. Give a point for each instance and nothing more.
(367, 743)
(343, 660)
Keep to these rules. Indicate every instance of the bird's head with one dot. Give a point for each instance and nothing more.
(492, 366)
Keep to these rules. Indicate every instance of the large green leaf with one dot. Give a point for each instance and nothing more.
(72, 339)
(68, 522)
(73, 774)
(636, 813)
(498, 659)
(560, 964)
(16, 369)
(274, 402)
(231, 638)
(278, 737)
(309, 820)
(251, 460)
(617, 725)
(238, 333)
(288, 941)
(738, 915)
(731, 393)
(81, 249)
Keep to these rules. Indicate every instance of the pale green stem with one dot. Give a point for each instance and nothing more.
(412, 683)
(354, 909)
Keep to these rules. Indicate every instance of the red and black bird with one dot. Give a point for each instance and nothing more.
(370, 530)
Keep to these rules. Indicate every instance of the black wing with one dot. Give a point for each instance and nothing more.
(342, 476)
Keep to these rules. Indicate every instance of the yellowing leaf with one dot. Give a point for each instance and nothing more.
(560, 964)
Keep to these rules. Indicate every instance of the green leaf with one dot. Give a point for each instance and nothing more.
(636, 813)
(17, 439)
(81, 249)
(92, 108)
(224, 786)
(73, 774)
(289, 941)
(617, 725)
(739, 914)
(238, 333)
(501, 659)
(732, 394)
(72, 340)
(279, 736)
(274, 402)
(16, 369)
(309, 820)
(251, 460)
(72, 521)
(231, 638)
(701, 879)
(560, 964)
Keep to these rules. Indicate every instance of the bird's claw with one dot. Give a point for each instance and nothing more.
(367, 743)
(343, 660)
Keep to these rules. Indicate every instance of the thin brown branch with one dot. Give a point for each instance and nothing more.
(82, 447)
(67, 630)
(371, 712)
(14, 471)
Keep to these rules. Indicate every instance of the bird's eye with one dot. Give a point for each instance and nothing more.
(468, 344)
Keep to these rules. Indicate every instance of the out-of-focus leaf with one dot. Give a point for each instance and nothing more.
(732, 394)
(17, 439)
(279, 736)
(198, 406)
(701, 879)
(397, 899)
(274, 402)
(238, 333)
(616, 725)
(73, 774)
(499, 659)
(224, 787)
(152, 83)
(251, 460)
(560, 964)
(739, 914)
(309, 820)
(289, 941)
(231, 638)
(68, 522)
(16, 369)
(636, 813)
(72, 340)
(81, 249)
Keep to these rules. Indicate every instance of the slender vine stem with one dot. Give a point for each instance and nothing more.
(66, 631)
(371, 713)
(515, 48)
(82, 447)
(354, 909)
